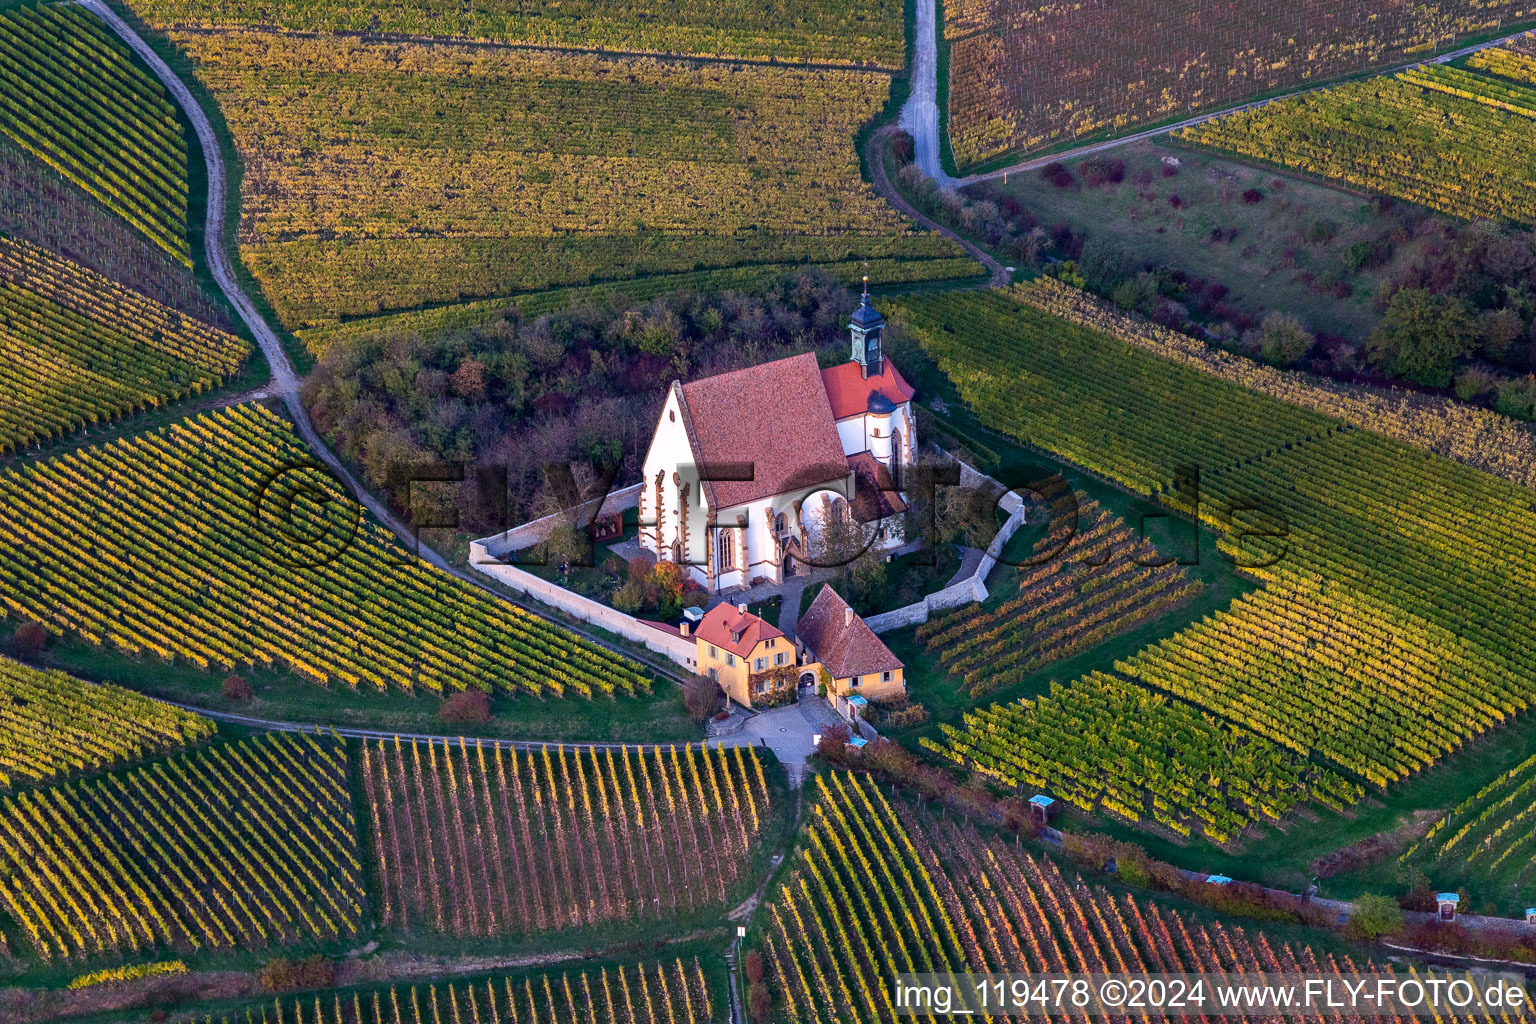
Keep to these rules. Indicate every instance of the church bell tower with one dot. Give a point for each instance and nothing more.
(866, 327)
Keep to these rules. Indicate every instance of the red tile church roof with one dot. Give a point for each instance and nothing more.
(848, 392)
(875, 496)
(723, 623)
(774, 416)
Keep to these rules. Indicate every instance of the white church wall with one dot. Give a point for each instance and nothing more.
(850, 431)
(672, 456)
(683, 652)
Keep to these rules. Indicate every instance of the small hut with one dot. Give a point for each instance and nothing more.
(1447, 902)
(1042, 808)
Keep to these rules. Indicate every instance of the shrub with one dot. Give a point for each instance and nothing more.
(1320, 231)
(1364, 255)
(1099, 170)
(703, 698)
(1283, 339)
(1373, 916)
(1061, 179)
(29, 639)
(630, 597)
(1049, 171)
(236, 688)
(833, 744)
(1475, 382)
(759, 1002)
(903, 148)
(755, 967)
(1169, 170)
(1252, 196)
(1517, 397)
(470, 706)
(1176, 202)
(285, 975)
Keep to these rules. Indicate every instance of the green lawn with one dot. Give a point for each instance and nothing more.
(281, 696)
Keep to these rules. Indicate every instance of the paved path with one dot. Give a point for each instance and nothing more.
(788, 731)
(874, 155)
(920, 114)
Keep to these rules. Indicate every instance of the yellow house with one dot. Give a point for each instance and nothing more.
(861, 667)
(752, 661)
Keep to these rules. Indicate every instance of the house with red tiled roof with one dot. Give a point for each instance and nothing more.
(752, 661)
(747, 469)
(859, 667)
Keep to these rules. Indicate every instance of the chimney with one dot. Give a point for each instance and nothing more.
(742, 608)
(683, 627)
(847, 616)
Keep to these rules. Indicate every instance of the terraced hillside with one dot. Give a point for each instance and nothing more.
(273, 565)
(80, 350)
(1395, 579)
(72, 96)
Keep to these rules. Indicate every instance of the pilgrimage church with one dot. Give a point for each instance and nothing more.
(746, 469)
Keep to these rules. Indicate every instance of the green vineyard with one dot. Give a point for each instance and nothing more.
(1103, 743)
(1356, 683)
(245, 844)
(1477, 437)
(71, 95)
(1488, 837)
(53, 725)
(1449, 139)
(79, 350)
(1093, 399)
(220, 541)
(472, 841)
(661, 992)
(1398, 583)
(881, 891)
(1088, 579)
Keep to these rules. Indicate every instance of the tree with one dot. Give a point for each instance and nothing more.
(466, 707)
(1105, 263)
(29, 639)
(703, 698)
(1372, 916)
(759, 1001)
(1498, 330)
(1283, 339)
(1421, 336)
(236, 688)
